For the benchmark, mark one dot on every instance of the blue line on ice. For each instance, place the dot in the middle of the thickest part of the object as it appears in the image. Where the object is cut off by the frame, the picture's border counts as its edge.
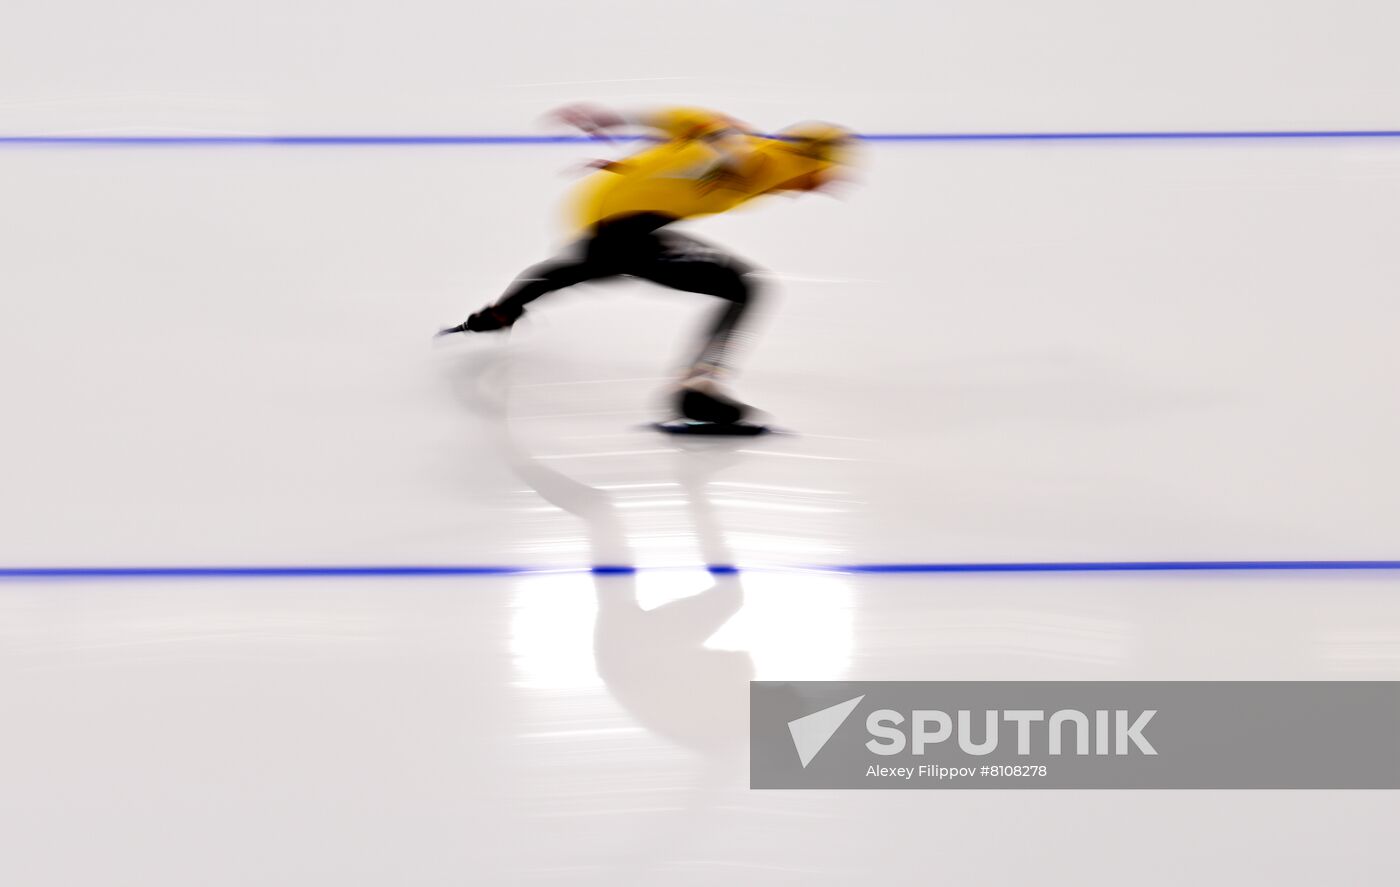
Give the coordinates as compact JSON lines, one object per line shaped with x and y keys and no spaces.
{"x":447,"y":139}
{"x":428,"y":570}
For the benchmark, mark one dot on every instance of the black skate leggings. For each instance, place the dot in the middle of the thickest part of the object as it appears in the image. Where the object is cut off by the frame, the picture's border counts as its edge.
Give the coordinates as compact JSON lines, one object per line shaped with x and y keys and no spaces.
{"x":636,"y":246}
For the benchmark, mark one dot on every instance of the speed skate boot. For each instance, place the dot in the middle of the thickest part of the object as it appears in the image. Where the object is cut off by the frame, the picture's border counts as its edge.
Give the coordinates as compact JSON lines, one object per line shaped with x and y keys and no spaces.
{"x":488,"y":319}
{"x":707,"y":410}
{"x":701,"y":399}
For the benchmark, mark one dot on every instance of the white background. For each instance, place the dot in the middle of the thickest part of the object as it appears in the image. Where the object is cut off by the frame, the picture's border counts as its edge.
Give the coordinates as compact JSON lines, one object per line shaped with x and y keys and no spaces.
{"x":1011,"y":352}
{"x":948,"y":65}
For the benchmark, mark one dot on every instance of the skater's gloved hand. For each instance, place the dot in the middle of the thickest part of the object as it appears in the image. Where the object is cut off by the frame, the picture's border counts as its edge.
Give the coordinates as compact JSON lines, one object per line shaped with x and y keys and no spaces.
{"x":589,"y":118}
{"x":593,"y":166}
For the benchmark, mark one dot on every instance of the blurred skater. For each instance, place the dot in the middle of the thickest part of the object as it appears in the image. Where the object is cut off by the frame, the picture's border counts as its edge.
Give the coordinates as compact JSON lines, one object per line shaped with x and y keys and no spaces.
{"x":705,"y":163}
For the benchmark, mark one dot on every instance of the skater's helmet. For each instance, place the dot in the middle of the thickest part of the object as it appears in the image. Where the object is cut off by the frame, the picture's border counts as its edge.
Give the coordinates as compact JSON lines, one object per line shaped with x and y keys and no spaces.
{"x":825,"y":142}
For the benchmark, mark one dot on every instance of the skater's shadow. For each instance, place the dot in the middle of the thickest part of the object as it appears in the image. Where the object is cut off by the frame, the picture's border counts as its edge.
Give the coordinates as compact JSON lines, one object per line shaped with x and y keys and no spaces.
{"x":653,"y":661}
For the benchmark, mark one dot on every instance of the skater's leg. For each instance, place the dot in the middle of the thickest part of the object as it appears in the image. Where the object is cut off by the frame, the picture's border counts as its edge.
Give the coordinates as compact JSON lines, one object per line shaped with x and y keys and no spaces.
{"x":725,"y":333}
{"x":702,"y":396}
{"x":689,"y":265}
{"x":612,"y":249}
{"x":539,"y":280}
{"x":548,"y":277}
{"x":693,"y":266}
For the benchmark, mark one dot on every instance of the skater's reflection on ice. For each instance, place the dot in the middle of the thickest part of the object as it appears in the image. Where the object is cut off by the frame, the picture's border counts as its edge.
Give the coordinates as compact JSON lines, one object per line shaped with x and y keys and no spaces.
{"x":675,"y":645}
{"x":655,"y":661}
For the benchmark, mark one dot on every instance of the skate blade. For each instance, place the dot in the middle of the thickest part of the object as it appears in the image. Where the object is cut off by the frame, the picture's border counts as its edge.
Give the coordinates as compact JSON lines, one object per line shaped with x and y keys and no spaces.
{"x":712,"y":429}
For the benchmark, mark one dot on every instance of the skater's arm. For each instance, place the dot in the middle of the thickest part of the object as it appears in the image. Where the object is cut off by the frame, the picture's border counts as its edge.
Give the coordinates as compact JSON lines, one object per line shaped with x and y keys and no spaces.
{"x":730,"y":144}
{"x":592,"y":119}
{"x":680,"y":124}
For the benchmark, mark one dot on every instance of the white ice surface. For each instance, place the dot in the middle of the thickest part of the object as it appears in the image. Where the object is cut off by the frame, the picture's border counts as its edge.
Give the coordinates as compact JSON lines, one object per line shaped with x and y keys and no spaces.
{"x":441,"y":732}
{"x":987,"y":352}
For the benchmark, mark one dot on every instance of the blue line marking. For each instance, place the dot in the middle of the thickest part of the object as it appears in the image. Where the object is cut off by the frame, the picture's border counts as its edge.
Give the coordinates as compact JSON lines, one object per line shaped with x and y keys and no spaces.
{"x":295,"y":140}
{"x":1202,"y":135}
{"x":412,"y":571}
{"x":254,"y":572}
{"x":462,"y":140}
{"x":1123,"y":567}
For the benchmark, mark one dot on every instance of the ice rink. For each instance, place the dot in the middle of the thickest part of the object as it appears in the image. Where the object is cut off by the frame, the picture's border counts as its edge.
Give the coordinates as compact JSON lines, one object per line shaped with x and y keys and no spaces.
{"x":1165,"y":350}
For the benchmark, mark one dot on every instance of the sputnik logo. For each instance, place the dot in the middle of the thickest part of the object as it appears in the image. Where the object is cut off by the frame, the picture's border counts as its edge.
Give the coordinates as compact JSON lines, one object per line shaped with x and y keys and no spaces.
{"x":811,"y":732}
